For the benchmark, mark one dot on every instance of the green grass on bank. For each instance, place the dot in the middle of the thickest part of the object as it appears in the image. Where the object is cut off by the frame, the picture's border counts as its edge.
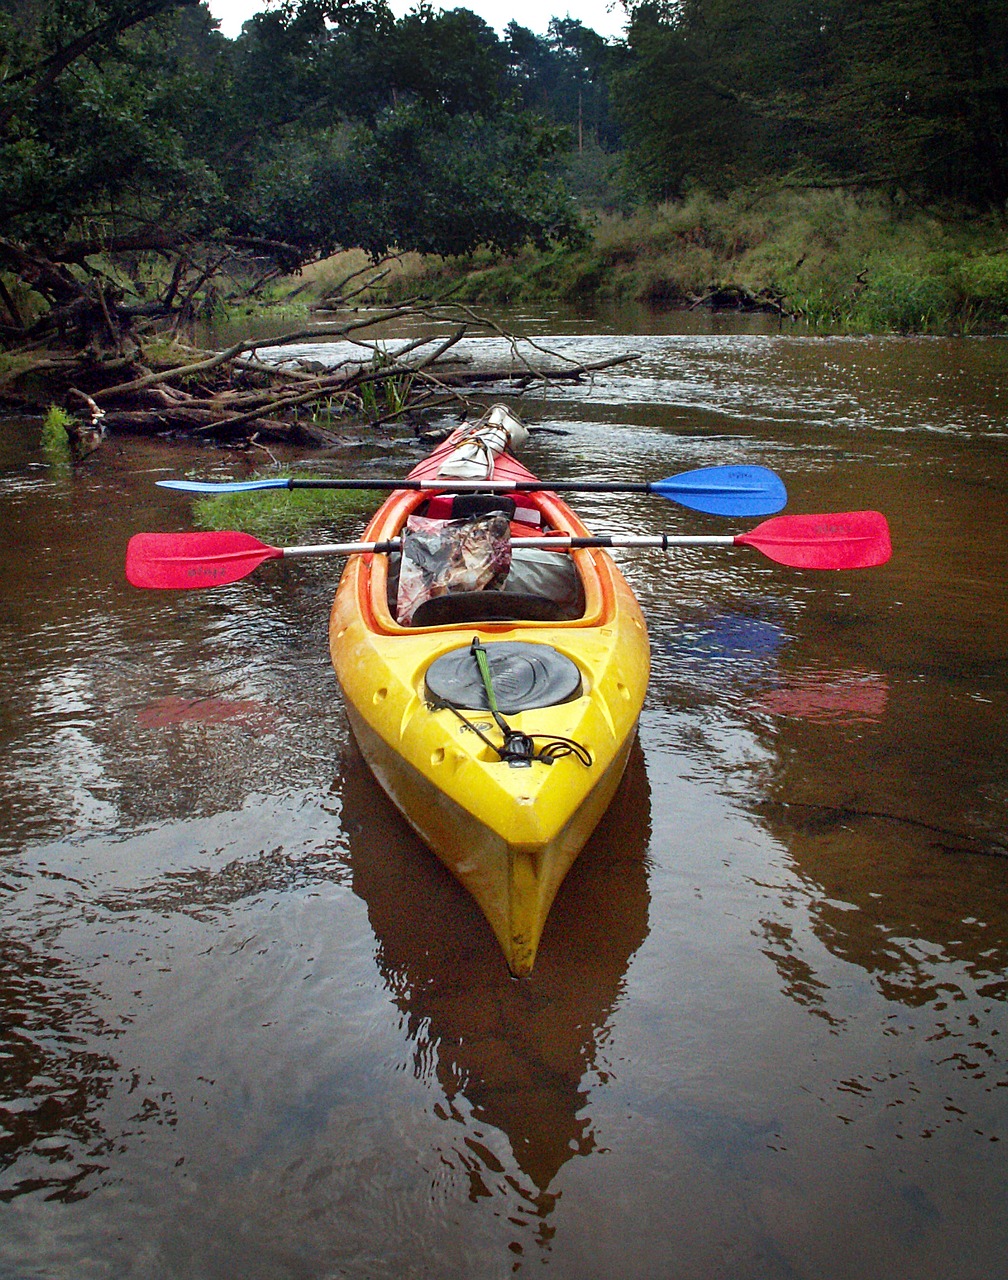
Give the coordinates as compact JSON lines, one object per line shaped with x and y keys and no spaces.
{"x":55,"y":440}
{"x":279,"y":515}
{"x":861,"y":263}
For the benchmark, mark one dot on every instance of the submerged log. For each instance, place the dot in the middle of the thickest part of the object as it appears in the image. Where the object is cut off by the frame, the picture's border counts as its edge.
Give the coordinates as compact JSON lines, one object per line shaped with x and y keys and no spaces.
{"x":736,"y":297}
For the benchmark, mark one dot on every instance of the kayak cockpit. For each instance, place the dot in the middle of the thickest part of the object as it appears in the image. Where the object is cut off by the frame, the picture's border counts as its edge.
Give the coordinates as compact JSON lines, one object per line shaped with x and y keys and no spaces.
{"x":525,"y":584}
{"x":541,"y":586}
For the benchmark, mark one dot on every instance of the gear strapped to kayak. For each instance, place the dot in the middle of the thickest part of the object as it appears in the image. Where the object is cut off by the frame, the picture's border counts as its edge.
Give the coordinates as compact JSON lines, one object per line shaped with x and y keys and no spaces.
{"x":508,"y":676}
{"x":470,"y":569}
{"x":447,"y":557}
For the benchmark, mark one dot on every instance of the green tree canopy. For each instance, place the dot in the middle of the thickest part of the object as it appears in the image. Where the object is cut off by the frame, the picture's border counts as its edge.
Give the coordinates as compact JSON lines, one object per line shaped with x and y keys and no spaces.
{"x":902,"y":94}
{"x":565,"y":74}
{"x":133,"y":126}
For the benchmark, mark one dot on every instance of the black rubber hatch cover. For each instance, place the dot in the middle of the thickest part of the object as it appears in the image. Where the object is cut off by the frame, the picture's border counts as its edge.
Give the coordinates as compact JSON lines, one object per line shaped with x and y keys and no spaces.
{"x":524,"y":676}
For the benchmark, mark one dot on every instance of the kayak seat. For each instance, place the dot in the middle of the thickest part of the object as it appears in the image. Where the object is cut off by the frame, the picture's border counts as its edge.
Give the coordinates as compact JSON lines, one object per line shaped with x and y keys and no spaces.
{"x":488,"y":606}
{"x":541,"y":586}
{"x":523,"y":515}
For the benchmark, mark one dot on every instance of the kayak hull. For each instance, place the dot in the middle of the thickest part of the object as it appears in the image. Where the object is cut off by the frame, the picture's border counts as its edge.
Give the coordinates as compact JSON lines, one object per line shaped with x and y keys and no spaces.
{"x":513,"y":883}
{"x":508,"y":833}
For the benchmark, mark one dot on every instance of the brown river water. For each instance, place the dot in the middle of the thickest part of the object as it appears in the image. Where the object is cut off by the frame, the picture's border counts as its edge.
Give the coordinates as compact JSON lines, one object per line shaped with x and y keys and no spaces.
{"x":249,"y":1026}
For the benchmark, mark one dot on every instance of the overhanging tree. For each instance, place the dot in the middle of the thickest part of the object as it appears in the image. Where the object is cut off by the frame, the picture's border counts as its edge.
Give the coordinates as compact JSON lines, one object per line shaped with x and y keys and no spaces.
{"x":140,"y":151}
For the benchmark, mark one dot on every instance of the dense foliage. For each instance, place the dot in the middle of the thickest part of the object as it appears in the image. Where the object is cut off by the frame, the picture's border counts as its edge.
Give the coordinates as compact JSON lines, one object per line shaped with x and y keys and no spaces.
{"x":132,"y":127}
{"x":142,"y":154}
{"x":907,"y":95}
{"x":565,"y":76}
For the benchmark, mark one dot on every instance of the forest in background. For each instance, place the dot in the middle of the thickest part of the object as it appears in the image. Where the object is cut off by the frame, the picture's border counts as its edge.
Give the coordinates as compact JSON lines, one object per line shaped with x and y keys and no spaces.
{"x":132,"y":128}
{"x":843,"y":162}
{"x":904,"y":96}
{"x":153,"y":171}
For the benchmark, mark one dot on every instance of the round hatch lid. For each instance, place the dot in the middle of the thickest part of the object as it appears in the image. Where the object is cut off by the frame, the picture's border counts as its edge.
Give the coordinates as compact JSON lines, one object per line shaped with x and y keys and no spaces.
{"x":524,"y":676}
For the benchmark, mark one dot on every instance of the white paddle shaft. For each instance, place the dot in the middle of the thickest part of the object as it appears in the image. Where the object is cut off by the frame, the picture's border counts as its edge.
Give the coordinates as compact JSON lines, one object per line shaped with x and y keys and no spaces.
{"x":659,"y":541}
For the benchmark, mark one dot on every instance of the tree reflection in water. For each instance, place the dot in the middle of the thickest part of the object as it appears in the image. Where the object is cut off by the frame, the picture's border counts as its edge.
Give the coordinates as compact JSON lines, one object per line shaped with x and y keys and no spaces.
{"x":51,"y":1084}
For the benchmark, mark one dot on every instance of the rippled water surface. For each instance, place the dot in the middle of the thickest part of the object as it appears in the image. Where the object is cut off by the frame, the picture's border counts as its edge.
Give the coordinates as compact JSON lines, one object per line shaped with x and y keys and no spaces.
{"x":248,"y":1026}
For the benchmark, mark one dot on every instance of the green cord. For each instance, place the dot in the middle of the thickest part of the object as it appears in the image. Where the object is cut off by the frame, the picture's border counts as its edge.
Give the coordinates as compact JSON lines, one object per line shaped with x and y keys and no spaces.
{"x":480,"y":654}
{"x":519,"y":748}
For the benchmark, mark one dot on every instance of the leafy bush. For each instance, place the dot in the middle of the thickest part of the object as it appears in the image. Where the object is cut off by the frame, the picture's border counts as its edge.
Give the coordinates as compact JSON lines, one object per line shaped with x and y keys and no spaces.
{"x":55,"y":440}
{"x":983,"y":281}
{"x":899,"y":299}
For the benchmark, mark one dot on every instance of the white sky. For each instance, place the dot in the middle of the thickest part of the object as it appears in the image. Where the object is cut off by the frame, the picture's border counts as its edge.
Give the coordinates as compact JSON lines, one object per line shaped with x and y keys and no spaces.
{"x":607,"y":17}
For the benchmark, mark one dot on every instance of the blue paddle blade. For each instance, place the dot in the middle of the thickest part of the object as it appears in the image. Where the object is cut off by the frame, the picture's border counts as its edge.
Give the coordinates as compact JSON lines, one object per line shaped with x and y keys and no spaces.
{"x":224,"y":486}
{"x":725,"y":491}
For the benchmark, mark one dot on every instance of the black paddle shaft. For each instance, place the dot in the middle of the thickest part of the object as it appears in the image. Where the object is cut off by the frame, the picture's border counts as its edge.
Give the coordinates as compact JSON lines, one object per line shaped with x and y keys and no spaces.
{"x":481,"y":486}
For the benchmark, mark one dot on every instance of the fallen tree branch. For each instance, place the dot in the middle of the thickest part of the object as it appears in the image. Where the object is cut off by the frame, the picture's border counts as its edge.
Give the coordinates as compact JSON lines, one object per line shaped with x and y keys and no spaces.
{"x":573,"y":374}
{"x":239,"y":348}
{"x":240,"y":391}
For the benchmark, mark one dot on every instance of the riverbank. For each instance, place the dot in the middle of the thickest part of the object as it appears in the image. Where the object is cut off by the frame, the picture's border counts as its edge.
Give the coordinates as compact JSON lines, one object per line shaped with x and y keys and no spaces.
{"x":836,"y":261}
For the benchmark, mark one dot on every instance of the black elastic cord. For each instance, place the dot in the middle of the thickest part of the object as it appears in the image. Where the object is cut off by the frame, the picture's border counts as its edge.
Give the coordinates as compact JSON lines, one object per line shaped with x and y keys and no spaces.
{"x":517,"y":748}
{"x":554,"y":747}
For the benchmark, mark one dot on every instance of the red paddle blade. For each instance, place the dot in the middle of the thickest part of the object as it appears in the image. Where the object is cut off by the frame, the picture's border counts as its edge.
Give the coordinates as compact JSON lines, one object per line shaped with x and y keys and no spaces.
{"x":188,"y":560}
{"x":840,"y":540}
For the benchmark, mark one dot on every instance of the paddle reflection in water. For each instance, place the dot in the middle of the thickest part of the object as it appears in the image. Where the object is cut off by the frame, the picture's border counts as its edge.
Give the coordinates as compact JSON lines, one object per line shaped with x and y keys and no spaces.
{"x":884,"y":915}
{"x":750,"y":652}
{"x":523,"y":1054}
{"x":252,"y":714}
{"x":823,"y":696}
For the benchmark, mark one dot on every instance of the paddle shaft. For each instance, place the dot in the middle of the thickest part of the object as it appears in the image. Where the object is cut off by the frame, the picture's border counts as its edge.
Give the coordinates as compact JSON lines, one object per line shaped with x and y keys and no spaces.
{"x":444,"y":484}
{"x":844,"y":540}
{"x":558,"y":542}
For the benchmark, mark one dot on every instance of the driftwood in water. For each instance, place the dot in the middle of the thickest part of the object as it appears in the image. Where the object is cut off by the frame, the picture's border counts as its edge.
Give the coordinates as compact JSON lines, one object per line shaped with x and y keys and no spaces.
{"x":113,"y":381}
{"x":235,"y":393}
{"x":735,"y":297}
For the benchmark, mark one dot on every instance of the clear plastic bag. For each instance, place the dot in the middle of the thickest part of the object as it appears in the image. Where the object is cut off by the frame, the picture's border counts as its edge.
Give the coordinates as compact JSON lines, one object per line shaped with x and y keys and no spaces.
{"x":443,"y":557}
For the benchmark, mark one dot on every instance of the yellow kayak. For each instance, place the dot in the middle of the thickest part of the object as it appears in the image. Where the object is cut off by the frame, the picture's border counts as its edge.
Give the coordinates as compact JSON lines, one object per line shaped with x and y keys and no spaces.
{"x":502,"y":754}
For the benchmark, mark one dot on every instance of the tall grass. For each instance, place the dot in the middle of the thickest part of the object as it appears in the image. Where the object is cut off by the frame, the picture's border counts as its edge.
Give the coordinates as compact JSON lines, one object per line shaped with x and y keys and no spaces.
{"x":836,"y":259}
